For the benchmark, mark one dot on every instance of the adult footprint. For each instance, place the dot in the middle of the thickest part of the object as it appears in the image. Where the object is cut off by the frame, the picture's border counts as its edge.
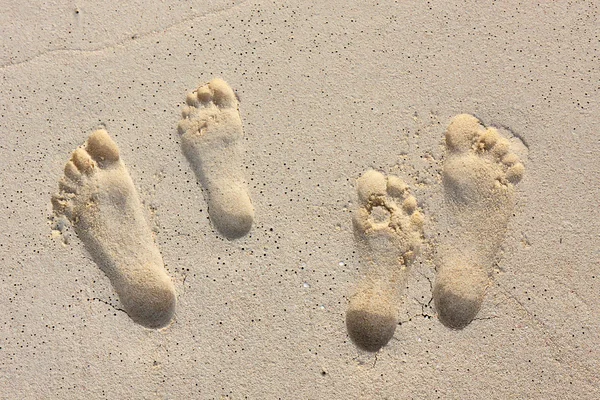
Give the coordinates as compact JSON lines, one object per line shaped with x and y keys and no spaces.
{"x":388,"y":231}
{"x":479,"y":175}
{"x":98,"y":196}
{"x":211,"y":140}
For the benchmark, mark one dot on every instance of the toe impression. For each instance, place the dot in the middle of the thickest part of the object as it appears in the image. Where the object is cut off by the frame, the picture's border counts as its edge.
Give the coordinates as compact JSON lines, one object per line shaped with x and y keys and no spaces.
{"x":102,"y":148}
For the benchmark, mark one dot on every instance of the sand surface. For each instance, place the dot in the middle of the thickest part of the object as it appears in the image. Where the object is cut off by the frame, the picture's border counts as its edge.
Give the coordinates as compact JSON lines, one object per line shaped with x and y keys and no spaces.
{"x":328,"y":91}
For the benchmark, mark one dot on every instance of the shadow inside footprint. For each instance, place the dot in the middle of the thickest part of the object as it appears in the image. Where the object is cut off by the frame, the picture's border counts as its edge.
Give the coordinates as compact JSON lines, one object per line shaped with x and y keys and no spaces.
{"x":455,"y":311}
{"x":458,"y":292}
{"x":370,"y":331}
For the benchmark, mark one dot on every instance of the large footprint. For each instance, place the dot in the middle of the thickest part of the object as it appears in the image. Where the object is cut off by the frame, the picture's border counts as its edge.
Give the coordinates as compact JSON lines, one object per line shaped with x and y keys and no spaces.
{"x":479,"y":175}
{"x":388,"y":231}
{"x":211,"y":140}
{"x":98,"y":196}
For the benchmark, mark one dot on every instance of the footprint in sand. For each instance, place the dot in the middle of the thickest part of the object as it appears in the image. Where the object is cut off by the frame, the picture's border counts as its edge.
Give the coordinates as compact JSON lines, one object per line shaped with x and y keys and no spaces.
{"x":388,"y":230}
{"x":212,"y":141}
{"x":479,"y":175}
{"x":98,"y":196}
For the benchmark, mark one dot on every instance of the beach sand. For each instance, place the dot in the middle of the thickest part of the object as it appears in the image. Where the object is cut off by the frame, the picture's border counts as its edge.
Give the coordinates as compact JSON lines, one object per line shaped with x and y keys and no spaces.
{"x":326,"y":93}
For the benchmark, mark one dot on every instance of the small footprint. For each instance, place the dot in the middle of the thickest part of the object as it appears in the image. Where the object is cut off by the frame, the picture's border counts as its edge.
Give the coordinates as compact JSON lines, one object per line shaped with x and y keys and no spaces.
{"x":212,"y":141}
{"x":388,"y":230}
{"x":479,"y":175}
{"x":98,"y":197}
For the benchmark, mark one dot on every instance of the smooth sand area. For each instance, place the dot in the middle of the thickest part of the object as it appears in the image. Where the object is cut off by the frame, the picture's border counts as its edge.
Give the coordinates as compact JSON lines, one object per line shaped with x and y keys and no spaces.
{"x":322,"y":93}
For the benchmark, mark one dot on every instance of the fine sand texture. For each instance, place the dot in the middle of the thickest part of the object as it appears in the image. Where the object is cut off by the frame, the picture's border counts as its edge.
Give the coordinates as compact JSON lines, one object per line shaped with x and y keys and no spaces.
{"x":242,"y":244}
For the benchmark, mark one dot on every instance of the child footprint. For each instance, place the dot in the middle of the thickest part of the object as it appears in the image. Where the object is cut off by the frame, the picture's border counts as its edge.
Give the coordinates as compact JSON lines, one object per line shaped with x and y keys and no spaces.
{"x":211,"y":139}
{"x":98,"y":196}
{"x":388,"y":231}
{"x":478,"y":175}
